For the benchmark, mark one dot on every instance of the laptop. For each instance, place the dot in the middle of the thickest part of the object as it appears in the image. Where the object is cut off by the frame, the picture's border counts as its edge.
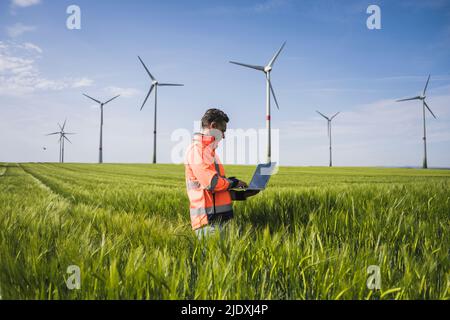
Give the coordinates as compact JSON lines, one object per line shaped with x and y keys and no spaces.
{"x":261,"y":177}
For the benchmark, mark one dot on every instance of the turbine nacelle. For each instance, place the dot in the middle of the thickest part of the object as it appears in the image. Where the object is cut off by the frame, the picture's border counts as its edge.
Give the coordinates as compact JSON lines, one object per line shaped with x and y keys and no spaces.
{"x":422,"y":98}
{"x":100,"y":102}
{"x":267,"y":69}
{"x":155,"y":83}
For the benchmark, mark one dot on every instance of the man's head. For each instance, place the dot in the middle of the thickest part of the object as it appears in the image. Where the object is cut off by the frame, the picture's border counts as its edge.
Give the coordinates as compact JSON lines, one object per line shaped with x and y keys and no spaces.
{"x":213,"y":120}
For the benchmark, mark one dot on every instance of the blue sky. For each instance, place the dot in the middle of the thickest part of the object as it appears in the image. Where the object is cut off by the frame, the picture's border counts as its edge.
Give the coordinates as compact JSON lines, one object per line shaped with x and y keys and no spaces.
{"x":331,"y":62}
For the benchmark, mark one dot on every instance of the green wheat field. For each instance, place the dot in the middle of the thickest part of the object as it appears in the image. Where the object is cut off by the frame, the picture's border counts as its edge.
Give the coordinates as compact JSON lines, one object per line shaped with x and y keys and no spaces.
{"x":311,"y":235}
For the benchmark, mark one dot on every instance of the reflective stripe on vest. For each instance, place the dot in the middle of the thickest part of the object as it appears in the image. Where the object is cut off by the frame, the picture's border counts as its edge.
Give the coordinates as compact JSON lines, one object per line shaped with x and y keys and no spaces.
{"x":192,"y":185}
{"x":199,"y":221}
{"x":216,"y":165}
{"x":213,"y":183}
{"x":210,"y":210}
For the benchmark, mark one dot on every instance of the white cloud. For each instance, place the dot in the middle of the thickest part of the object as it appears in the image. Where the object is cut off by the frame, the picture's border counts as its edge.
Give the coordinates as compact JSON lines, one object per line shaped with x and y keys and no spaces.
{"x":31,"y":46}
{"x":124,"y":92}
{"x":24,"y":3}
{"x":19,"y":29}
{"x":19,"y":73}
{"x":15,"y":65}
{"x":83,"y":82}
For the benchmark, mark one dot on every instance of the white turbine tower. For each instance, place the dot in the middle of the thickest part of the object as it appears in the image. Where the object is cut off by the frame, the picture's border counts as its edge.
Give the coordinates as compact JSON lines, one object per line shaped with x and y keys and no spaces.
{"x":62,"y":138}
{"x":424,"y":105}
{"x":269,"y":89}
{"x":329,"y":132}
{"x":100,"y":149}
{"x":155,"y":85}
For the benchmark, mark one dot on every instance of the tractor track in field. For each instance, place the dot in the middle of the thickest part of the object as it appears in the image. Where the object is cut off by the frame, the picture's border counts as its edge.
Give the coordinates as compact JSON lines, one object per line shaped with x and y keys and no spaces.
{"x":107,"y":175}
{"x":62,"y":195}
{"x":91,"y":172}
{"x":70,"y":198}
{"x":115,"y":176}
{"x":47,"y":187}
{"x":3,"y":174}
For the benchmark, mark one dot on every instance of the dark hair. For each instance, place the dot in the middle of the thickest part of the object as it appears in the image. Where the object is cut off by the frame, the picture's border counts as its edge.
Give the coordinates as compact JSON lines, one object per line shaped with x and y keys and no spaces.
{"x":214,"y":115}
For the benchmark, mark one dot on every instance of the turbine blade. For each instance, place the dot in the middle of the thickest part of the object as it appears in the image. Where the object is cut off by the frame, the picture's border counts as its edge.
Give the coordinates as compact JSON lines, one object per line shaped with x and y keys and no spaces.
{"x":67,"y":139}
{"x":329,"y":129}
{"x":426,"y":86}
{"x":273,"y":94}
{"x":334,"y":116}
{"x":146,"y":69}
{"x":323,"y":115}
{"x":260,"y":68}
{"x":170,"y":85}
{"x":51,"y":134}
{"x":92,"y":98}
{"x":64,"y":125}
{"x":408,"y":99}
{"x":69,"y":132}
{"x":426,"y":105}
{"x":111,"y":99}
{"x":276,"y":55}
{"x":148,"y":94}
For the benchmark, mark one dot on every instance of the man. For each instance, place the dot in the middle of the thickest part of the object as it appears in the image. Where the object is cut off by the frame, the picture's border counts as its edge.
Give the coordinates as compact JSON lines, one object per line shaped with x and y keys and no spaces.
{"x":209,"y":190}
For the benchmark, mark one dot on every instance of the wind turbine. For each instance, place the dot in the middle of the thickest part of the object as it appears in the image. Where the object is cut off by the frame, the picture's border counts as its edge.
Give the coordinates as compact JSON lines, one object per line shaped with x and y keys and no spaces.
{"x":100,"y":149}
{"x":155,"y":85}
{"x":424,"y":105}
{"x":329,"y":131}
{"x":269,"y":89}
{"x":62,"y":138}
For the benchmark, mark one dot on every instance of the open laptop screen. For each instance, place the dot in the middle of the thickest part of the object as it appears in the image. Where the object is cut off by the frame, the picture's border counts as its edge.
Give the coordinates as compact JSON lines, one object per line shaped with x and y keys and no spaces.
{"x":261,"y":176}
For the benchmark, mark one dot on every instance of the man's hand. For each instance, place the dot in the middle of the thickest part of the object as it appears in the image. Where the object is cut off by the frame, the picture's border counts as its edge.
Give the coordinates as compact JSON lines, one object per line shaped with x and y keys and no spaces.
{"x":241,"y":184}
{"x":238,"y":184}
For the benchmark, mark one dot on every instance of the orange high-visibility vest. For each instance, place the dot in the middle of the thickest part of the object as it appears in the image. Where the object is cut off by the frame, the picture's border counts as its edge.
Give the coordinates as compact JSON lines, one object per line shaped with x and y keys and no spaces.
{"x":207,"y":186}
